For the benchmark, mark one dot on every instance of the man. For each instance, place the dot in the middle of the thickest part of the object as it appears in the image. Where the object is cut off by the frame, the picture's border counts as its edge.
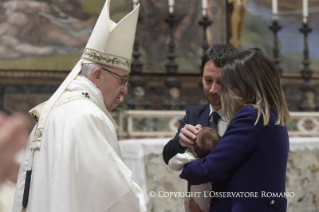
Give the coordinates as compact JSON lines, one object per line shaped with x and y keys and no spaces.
{"x":201,"y":116}
{"x":210,"y":114}
{"x":73,"y":160}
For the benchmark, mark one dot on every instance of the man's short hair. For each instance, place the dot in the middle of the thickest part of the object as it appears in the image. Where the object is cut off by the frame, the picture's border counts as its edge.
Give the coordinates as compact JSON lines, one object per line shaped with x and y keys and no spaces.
{"x":219,"y":54}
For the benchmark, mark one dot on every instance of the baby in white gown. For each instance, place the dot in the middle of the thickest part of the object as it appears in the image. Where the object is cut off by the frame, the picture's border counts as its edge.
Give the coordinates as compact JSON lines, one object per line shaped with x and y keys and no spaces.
{"x":206,"y":141}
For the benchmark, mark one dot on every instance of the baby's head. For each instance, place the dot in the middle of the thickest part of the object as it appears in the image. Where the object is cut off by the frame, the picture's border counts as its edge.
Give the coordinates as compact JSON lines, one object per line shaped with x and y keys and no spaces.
{"x":206,"y":141}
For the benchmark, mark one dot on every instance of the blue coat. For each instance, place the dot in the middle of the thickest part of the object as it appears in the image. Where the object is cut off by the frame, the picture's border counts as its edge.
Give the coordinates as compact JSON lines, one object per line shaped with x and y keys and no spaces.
{"x":249,"y":158}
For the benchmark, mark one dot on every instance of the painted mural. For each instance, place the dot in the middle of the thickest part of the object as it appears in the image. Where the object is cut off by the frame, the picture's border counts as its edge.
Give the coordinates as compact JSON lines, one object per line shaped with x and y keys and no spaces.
{"x":291,"y":41}
{"x":188,"y":34}
{"x":51,"y":34}
{"x":42,"y":34}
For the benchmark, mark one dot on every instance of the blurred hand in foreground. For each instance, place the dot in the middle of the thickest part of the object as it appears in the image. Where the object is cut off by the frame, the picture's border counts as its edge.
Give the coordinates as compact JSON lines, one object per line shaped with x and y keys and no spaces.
{"x":14,"y":133}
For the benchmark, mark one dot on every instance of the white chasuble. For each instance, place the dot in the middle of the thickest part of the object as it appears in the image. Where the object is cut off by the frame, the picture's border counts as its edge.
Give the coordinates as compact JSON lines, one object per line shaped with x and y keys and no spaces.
{"x":79,"y":166}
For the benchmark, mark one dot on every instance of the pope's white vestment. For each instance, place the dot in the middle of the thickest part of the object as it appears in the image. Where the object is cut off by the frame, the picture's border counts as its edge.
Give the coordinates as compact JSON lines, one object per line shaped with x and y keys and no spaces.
{"x":79,"y":167}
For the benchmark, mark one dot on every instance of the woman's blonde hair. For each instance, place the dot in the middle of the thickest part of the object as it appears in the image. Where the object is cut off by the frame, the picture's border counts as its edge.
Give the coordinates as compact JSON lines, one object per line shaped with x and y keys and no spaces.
{"x":251,"y":78}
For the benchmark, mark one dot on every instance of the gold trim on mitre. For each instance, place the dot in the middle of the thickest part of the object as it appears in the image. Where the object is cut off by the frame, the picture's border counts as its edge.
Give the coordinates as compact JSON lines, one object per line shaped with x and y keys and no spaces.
{"x":107,"y":59}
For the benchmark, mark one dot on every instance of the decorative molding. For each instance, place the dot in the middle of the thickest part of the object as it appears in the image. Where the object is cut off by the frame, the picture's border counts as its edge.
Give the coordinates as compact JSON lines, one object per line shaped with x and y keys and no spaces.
{"x":32,"y":74}
{"x":304,"y":124}
{"x":62,"y":73}
{"x":156,"y":123}
{"x":164,"y":123}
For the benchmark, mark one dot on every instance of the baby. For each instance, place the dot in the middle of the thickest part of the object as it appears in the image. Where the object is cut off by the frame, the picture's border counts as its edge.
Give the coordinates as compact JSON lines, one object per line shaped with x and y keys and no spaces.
{"x":206,"y":141}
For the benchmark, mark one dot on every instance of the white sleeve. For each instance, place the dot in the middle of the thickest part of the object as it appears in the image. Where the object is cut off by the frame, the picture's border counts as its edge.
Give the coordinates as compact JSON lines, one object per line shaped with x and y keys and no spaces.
{"x":104,"y":181}
{"x":178,"y":161}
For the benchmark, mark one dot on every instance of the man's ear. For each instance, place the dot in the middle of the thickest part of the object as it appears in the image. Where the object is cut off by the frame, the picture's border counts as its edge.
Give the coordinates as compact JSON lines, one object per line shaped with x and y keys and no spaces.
{"x":96,"y":77}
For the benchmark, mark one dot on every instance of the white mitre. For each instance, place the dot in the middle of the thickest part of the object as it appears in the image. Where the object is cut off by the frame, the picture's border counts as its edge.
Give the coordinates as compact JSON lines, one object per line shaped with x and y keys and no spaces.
{"x":109,"y":44}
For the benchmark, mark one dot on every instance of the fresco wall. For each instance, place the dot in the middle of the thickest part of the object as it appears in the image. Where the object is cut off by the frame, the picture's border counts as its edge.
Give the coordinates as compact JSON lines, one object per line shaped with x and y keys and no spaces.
{"x":291,"y":43}
{"x":42,"y":35}
{"x":51,"y":34}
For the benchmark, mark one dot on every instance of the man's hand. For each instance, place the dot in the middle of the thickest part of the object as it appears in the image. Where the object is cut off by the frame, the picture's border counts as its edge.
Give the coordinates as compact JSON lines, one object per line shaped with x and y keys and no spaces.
{"x":193,"y":206}
{"x":188,"y":135}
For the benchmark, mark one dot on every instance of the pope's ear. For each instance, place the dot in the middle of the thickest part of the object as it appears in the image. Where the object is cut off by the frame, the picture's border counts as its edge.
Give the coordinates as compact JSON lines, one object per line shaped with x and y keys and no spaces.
{"x":96,"y":77}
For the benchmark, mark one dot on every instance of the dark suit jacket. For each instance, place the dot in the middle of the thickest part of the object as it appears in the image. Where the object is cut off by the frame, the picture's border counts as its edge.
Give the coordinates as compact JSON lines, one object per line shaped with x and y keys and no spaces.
{"x":194,"y":115}
{"x":248,"y":158}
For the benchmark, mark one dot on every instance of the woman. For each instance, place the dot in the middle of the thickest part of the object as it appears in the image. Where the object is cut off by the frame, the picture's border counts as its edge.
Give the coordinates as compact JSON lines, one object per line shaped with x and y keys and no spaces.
{"x":248,"y":165}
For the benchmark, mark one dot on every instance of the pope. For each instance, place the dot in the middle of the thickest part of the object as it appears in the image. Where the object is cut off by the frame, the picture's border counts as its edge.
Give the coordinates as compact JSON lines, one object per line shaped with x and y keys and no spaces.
{"x":73,"y":161}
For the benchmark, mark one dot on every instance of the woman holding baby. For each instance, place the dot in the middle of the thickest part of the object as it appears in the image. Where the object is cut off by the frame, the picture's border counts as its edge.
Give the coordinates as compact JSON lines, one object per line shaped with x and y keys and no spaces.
{"x":248,"y":165}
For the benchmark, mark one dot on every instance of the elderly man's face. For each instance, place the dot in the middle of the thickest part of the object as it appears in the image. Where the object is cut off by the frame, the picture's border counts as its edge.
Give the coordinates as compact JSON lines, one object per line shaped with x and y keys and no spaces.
{"x":112,"y":88}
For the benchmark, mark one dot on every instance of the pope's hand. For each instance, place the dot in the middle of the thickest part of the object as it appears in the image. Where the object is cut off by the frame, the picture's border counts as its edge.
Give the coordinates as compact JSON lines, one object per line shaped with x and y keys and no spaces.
{"x":188,"y":135}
